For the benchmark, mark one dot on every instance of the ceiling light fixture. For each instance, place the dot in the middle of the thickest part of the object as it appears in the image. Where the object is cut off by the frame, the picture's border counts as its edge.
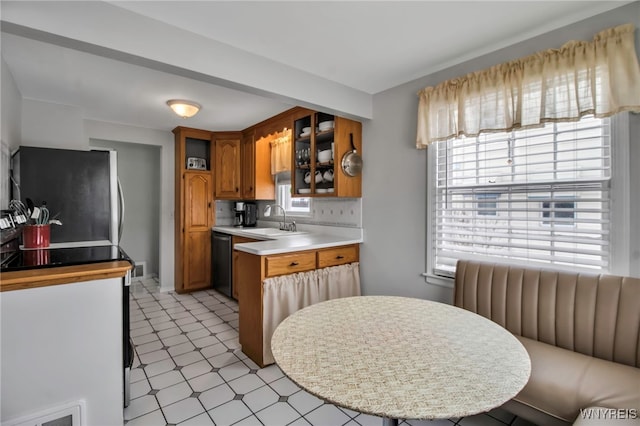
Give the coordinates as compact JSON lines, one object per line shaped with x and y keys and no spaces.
{"x":185,"y":109}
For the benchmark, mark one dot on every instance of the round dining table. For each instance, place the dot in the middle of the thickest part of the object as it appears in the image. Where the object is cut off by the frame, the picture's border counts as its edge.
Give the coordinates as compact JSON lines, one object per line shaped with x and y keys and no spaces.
{"x":401,"y":358}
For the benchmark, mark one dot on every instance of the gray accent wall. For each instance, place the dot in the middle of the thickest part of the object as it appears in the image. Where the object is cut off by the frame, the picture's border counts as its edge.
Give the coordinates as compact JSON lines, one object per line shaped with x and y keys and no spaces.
{"x":634,"y":147}
{"x":394,"y":202}
{"x":139,"y":173}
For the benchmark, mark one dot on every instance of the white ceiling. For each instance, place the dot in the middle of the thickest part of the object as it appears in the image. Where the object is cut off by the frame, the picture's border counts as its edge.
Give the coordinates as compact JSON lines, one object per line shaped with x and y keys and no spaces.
{"x":364,"y":46}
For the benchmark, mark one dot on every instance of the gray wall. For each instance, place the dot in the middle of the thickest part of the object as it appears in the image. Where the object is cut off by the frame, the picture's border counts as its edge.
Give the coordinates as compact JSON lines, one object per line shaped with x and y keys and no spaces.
{"x":395,"y":176}
{"x":634,"y":258}
{"x":139,"y":173}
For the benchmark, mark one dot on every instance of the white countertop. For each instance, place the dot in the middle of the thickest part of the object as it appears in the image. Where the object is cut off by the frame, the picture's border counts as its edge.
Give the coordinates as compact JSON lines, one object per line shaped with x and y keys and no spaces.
{"x":310,"y":237}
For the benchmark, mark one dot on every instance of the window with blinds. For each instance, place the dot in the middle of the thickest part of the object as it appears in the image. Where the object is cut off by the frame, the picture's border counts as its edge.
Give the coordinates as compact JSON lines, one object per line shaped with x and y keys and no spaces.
{"x":538,"y":195}
{"x":294,"y":206}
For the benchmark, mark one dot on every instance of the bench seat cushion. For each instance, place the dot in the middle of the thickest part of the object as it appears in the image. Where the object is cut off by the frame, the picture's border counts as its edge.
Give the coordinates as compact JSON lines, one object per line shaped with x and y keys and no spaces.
{"x":562,"y":382}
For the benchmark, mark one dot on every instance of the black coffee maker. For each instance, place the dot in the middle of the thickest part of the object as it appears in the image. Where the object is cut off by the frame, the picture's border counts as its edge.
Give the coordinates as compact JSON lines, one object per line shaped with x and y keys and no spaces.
{"x":250,"y":214}
{"x":246,"y":214}
{"x":240,"y":214}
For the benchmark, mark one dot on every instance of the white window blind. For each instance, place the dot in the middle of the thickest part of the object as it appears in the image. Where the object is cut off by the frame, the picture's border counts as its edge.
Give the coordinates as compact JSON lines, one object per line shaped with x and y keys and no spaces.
{"x":537,"y":195}
{"x":294,"y":206}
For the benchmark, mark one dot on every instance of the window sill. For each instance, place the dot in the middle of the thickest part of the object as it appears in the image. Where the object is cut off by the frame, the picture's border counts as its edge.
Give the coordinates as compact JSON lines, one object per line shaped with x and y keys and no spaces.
{"x":439,"y":281}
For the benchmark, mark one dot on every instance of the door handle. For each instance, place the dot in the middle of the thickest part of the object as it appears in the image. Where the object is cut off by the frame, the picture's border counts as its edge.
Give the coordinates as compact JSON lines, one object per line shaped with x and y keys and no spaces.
{"x":339,"y":257}
{"x":293,"y":264}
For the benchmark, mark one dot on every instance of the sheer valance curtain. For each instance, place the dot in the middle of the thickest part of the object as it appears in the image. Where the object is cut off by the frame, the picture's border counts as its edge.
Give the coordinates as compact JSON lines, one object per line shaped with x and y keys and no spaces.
{"x":281,"y":152}
{"x":601,"y":77}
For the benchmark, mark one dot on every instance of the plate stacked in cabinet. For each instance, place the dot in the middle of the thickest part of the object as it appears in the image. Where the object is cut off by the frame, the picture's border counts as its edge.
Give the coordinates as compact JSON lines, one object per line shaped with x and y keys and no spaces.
{"x":321,"y":140}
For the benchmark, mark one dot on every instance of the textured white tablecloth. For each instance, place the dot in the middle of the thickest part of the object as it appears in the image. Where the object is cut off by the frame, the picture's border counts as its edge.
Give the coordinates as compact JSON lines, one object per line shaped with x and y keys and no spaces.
{"x":400,"y":357}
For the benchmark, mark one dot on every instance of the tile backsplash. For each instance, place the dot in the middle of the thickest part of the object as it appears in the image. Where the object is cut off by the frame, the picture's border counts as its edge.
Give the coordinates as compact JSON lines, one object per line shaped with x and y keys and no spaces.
{"x":224,"y":212}
{"x":346,"y":212}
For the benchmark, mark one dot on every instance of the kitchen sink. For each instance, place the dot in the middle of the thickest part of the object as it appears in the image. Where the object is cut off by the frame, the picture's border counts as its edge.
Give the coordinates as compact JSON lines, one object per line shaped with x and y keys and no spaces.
{"x":271,"y":232}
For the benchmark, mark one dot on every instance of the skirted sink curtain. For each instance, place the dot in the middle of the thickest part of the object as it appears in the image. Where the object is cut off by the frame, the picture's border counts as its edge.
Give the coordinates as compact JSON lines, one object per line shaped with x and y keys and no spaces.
{"x":599,"y":78}
{"x":286,"y":294}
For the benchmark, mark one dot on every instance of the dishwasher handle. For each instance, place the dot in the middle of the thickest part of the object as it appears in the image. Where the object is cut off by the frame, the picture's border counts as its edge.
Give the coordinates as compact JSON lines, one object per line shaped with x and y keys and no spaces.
{"x":222,"y":237}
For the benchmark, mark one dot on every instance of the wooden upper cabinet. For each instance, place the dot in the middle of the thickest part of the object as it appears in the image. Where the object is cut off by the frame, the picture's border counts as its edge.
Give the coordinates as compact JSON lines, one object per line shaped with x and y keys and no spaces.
{"x":257,"y":181}
{"x":312,"y":138}
{"x":248,"y":165}
{"x":228,"y":165}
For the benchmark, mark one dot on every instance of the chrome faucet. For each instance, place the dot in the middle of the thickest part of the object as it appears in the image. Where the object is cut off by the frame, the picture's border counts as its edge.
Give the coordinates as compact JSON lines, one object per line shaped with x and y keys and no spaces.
{"x":284,"y":227}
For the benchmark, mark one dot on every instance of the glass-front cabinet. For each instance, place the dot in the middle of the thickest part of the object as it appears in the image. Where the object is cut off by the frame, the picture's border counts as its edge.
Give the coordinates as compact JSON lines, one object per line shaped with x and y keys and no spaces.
{"x":321,"y":140}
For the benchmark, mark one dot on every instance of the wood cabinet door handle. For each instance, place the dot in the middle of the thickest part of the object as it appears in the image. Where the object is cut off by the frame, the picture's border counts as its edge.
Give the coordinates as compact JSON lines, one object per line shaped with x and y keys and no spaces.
{"x":293,"y":264}
{"x":237,"y":189}
{"x":339,"y":257}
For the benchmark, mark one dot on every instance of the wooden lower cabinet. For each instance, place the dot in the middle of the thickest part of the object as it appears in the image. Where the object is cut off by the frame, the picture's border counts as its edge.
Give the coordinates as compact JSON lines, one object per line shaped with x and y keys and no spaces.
{"x":337,"y":256}
{"x":234,"y":266}
{"x":283,"y":264}
{"x":251,"y":270}
{"x":197,"y":266}
{"x":194,"y":222}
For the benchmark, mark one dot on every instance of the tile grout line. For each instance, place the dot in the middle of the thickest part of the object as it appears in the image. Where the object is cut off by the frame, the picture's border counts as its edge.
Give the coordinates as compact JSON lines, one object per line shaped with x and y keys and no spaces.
{"x":253,"y":413}
{"x":225,"y":381}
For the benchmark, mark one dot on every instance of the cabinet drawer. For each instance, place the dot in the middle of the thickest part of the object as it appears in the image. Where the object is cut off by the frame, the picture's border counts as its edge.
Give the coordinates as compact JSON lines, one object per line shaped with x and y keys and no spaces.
{"x":337,"y":256}
{"x":290,"y":263}
{"x":240,"y":240}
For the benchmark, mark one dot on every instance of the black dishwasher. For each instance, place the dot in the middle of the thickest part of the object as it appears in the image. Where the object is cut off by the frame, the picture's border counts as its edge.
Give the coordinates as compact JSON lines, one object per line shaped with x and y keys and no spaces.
{"x":221,"y":258}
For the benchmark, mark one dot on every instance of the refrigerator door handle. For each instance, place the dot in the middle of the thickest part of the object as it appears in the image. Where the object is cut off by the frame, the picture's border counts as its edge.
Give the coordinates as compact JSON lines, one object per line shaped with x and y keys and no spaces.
{"x":121,"y":213}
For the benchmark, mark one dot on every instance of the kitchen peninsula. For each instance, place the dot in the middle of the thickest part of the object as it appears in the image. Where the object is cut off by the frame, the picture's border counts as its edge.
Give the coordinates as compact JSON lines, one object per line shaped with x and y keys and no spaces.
{"x":62,"y":320}
{"x":267,"y":240}
{"x":279,"y":272}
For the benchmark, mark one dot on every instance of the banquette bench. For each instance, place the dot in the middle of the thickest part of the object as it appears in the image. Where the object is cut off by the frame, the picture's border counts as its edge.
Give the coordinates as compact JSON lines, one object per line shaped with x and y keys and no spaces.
{"x":582,"y":333}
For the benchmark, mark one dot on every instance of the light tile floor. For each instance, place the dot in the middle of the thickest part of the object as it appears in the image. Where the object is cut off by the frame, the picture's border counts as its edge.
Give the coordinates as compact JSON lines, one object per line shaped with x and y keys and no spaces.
{"x":189,"y":370}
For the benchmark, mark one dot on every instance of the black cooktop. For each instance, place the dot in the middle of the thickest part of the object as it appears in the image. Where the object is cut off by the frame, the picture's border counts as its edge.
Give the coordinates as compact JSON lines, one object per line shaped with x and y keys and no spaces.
{"x":56,"y":257}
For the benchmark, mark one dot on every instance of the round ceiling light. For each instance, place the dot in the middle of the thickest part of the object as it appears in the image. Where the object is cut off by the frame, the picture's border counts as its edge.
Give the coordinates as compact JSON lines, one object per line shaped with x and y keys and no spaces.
{"x":184,"y":109}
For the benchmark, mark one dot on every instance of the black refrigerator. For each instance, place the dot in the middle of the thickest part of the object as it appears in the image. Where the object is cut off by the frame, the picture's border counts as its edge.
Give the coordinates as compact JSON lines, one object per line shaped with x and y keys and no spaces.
{"x":80,"y":188}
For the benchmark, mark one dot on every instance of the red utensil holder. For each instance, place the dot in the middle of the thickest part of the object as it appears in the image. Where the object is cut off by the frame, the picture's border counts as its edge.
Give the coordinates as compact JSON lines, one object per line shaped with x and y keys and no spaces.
{"x":36,"y":236}
{"x":37,"y":257}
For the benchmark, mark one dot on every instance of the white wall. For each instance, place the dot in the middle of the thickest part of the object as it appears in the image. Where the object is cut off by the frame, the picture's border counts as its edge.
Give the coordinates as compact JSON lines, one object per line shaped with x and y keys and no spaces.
{"x":121,"y":133}
{"x":62,"y":344}
{"x":10,"y":108}
{"x":50,"y":125}
{"x":150,"y":42}
{"x":10,"y":126}
{"x":394,"y":184}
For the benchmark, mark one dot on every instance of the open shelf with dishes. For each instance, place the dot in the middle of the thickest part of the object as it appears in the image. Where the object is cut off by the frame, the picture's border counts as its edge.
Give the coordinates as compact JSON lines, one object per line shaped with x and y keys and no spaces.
{"x":320,"y":139}
{"x":302,"y":156}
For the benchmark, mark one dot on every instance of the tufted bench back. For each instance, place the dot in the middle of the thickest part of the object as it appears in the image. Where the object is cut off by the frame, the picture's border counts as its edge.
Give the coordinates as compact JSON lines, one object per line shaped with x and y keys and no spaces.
{"x":596,"y":315}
